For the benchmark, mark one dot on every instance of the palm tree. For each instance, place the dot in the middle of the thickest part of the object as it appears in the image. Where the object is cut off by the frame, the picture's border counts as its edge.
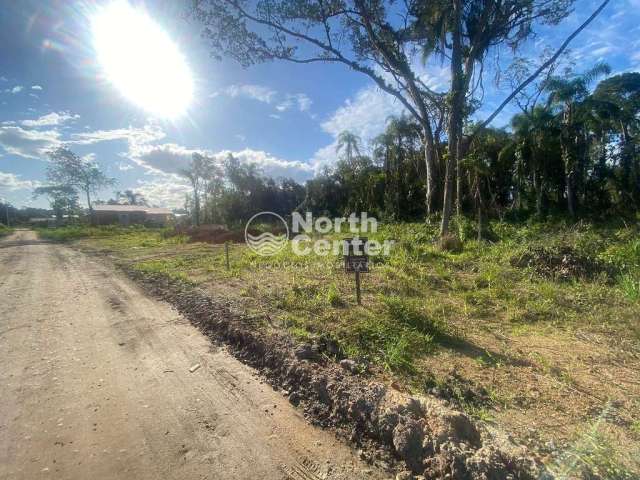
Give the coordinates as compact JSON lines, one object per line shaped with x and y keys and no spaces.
{"x":349,"y":143}
{"x":567,"y":94}
{"x":532,"y":135}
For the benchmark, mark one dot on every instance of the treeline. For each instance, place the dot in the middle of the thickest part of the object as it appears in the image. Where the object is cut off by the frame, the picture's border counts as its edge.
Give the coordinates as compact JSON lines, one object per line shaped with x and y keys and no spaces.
{"x":571,"y":150}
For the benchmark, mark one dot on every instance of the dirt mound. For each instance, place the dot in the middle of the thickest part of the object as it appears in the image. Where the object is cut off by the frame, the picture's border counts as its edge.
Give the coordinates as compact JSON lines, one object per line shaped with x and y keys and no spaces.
{"x":428,"y":437}
{"x":563,"y":263}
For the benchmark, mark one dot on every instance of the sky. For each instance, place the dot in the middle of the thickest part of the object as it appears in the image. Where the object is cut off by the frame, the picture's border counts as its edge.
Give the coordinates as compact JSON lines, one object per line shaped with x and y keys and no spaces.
{"x":55,"y":89}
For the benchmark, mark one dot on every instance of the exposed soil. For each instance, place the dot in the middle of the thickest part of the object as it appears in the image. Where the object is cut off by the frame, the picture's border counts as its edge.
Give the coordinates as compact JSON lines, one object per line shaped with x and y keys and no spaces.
{"x":100,"y":381}
{"x":430,"y":438}
{"x":215,"y":234}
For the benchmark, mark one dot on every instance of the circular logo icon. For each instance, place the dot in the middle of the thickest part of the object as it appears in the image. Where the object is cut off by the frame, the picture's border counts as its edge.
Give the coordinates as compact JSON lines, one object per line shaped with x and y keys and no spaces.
{"x":266,"y":243}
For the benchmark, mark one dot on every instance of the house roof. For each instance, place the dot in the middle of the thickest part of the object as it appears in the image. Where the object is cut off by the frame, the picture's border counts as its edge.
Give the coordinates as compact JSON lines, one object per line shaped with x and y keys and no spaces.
{"x":132,"y":208}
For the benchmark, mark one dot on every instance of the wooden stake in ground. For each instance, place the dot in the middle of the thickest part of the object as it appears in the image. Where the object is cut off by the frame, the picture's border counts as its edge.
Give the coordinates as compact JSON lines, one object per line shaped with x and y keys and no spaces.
{"x":355,"y":260}
{"x":226,"y":254}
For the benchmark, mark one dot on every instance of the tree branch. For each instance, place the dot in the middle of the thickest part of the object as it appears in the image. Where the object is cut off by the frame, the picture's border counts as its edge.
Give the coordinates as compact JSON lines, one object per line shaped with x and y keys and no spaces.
{"x":542,"y":67}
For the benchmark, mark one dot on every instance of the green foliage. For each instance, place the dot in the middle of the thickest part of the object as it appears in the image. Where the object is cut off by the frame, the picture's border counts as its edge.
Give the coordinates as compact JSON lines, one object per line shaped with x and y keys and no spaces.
{"x":630,"y":285}
{"x":407,"y":313}
{"x":594,"y":455}
{"x":419,"y":299}
{"x":5,"y":230}
{"x":135,"y":235}
{"x":333,"y":296}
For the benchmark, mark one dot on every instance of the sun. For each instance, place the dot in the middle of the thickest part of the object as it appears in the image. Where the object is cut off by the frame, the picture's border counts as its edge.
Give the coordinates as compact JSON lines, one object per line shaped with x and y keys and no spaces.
{"x":141,"y":61}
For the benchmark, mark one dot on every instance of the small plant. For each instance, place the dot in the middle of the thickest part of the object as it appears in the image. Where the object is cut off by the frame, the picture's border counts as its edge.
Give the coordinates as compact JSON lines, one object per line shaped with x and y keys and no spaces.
{"x":333,"y":296}
{"x":593,"y":456}
{"x":630,"y":286}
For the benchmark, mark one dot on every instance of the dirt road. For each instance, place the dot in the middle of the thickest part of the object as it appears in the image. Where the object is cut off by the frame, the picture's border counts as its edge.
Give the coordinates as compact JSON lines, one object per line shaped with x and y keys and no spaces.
{"x":98,"y":381}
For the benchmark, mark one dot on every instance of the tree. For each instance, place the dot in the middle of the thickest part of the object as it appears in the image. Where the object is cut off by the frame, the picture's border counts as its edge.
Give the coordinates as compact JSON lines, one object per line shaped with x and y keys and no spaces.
{"x":196,"y":173}
{"x":63,"y":199}
{"x":534,"y":133}
{"x":129,"y":197}
{"x":465,"y":32}
{"x":616,"y":103}
{"x":568,"y":95}
{"x":380,"y":39}
{"x":350,"y":144}
{"x":66,"y":169}
{"x":361,"y":35}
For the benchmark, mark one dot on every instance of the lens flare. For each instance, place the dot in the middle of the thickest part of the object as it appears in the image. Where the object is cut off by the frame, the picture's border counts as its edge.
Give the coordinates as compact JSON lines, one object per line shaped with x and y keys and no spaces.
{"x":141,"y":61}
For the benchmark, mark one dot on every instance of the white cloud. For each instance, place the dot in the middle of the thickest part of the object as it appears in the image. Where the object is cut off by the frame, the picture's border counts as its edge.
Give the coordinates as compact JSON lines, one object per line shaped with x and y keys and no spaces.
{"x":36,"y":87}
{"x":366,"y":115}
{"x":271,"y":166}
{"x":16,"y":89}
{"x":123,"y":167}
{"x":12,"y":182}
{"x":3,"y":79}
{"x":28,"y":143}
{"x":165,"y":191}
{"x":137,"y":136}
{"x":170,"y":158}
{"x":265,"y":94}
{"x":255,"y":92}
{"x":302,"y":101}
{"x":167,"y":158}
{"x":50,"y":119}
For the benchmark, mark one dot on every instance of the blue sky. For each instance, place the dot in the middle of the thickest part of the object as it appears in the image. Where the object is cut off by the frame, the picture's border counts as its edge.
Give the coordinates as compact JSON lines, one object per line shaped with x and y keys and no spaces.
{"x":281,"y":116}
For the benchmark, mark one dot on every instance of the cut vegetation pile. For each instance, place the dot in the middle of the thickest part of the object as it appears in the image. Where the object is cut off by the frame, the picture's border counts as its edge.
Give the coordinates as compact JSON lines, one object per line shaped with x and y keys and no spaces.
{"x":535,"y":334}
{"x":563,"y":263}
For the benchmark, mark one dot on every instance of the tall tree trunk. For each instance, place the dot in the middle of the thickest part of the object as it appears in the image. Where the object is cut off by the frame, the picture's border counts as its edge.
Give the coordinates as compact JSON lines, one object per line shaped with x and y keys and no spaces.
{"x":458,"y":182}
{"x":396,"y":174}
{"x":455,"y":115}
{"x":568,"y":179}
{"x":428,"y":160}
{"x":196,"y":207}
{"x":537,"y":186}
{"x":92,"y":219}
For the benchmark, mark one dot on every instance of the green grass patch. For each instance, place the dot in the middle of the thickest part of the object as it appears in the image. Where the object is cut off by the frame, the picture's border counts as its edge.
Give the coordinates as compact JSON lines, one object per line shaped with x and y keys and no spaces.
{"x":4,"y":230}
{"x":420,"y":298}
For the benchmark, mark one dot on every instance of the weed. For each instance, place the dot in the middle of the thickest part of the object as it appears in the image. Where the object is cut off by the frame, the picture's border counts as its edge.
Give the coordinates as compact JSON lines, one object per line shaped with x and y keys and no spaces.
{"x":630,"y":286}
{"x":333,"y":296}
{"x":594,"y":455}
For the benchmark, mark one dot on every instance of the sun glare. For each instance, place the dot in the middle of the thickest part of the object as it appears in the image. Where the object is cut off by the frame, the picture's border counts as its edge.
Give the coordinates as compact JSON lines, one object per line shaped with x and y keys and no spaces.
{"x":140,"y":59}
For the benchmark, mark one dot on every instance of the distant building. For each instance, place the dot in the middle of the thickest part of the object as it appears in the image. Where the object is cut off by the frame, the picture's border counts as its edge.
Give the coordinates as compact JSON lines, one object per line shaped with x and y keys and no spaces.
{"x":131,"y":214}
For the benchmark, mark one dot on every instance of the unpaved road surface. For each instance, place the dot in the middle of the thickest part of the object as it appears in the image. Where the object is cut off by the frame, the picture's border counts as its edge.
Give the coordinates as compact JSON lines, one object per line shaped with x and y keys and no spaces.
{"x":95,"y":383}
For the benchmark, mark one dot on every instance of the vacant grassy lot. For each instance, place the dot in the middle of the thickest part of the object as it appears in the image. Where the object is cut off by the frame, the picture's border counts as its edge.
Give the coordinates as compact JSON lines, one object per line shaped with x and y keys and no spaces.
{"x":537,"y":332}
